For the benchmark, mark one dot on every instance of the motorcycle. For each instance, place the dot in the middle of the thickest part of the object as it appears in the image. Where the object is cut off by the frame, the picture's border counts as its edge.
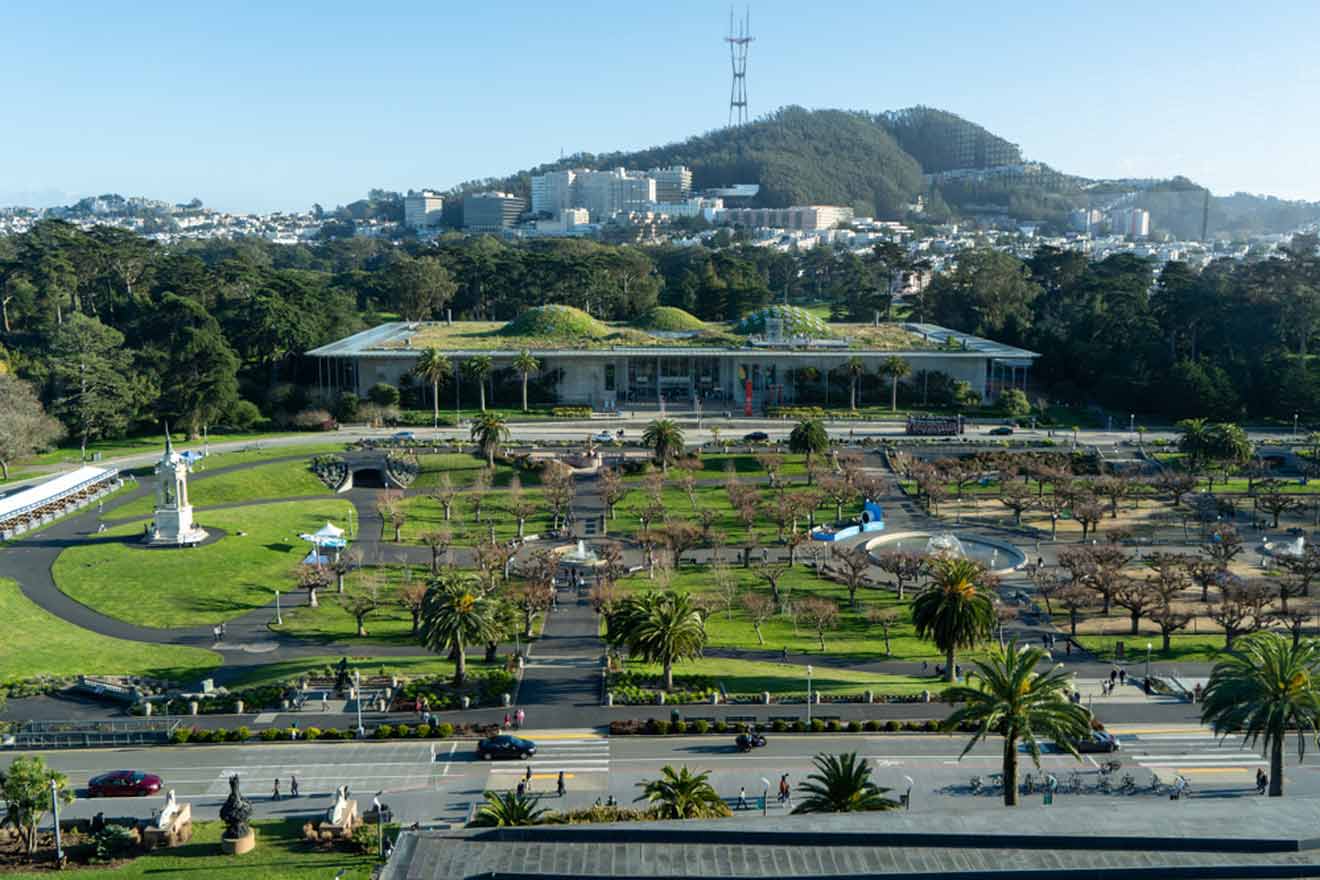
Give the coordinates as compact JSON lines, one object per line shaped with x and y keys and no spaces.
{"x":748,"y":741}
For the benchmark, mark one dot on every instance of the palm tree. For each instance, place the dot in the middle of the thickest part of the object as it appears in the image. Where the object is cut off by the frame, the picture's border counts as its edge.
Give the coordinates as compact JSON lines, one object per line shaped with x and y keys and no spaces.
{"x":681,"y":794}
{"x":1005,"y":696}
{"x":665,"y":439}
{"x":953,"y":611}
{"x":1262,"y":690}
{"x":525,"y":364}
{"x":456,"y":614}
{"x":488,"y":432}
{"x":842,"y":784}
{"x":1195,"y":441}
{"x":477,"y":368}
{"x":434,"y":367}
{"x":508,"y":809}
{"x":894,"y":368}
{"x":659,"y":628}
{"x":808,"y":438}
{"x":855,"y":367}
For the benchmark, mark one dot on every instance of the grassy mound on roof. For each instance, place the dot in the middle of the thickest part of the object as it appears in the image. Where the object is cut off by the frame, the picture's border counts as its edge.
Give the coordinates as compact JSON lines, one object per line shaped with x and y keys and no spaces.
{"x":555,"y":321}
{"x":796,"y":322}
{"x":670,"y":319}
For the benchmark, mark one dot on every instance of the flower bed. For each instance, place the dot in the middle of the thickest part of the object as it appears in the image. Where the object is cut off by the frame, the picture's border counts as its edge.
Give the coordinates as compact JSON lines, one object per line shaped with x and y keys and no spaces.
{"x":483,"y":688}
{"x":661,"y":727}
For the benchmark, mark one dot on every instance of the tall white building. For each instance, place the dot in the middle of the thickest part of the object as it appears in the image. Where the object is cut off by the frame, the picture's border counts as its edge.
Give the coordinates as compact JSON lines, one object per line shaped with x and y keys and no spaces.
{"x":1132,"y":222}
{"x":806,"y":218}
{"x":606,"y":193}
{"x":552,"y":192}
{"x":672,"y":185}
{"x":422,"y":210}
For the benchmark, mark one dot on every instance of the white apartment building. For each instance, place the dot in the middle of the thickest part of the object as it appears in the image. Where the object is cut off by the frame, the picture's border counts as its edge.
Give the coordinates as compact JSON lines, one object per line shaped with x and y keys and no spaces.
{"x":606,"y":193}
{"x":553,"y":192}
{"x":1132,"y":222}
{"x":672,"y":185}
{"x":422,"y":210}
{"x":806,"y":218}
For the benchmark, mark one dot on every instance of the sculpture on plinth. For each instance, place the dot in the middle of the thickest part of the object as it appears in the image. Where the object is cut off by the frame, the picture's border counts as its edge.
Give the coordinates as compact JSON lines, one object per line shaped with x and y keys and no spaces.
{"x":235,"y":813}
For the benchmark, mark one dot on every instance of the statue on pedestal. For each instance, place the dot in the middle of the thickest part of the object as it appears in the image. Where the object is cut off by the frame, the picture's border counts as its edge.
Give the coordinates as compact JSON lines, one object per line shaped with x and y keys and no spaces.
{"x":236,"y":812}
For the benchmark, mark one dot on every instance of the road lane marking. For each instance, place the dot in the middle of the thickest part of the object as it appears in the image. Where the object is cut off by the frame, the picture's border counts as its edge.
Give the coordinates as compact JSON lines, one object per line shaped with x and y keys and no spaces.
{"x":1232,"y":756}
{"x":451,"y":759}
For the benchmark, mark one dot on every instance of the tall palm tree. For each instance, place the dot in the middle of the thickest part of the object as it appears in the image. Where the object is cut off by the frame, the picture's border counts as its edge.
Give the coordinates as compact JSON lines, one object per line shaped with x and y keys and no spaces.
{"x":1261,"y":691}
{"x":954,"y":610}
{"x":525,"y":364}
{"x":855,"y":367}
{"x":808,"y":438}
{"x":488,"y":432}
{"x":659,"y":628}
{"x":1195,"y":441}
{"x":842,"y":784}
{"x":1006,"y":696}
{"x":456,"y":614}
{"x":434,"y":367}
{"x":477,"y":369}
{"x":894,"y":368}
{"x":665,"y":439}
{"x":508,"y":809}
{"x":682,"y":794}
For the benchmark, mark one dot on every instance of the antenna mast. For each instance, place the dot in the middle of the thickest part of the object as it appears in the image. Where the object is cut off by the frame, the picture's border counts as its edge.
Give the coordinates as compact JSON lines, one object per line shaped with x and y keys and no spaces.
{"x":739,"y":39}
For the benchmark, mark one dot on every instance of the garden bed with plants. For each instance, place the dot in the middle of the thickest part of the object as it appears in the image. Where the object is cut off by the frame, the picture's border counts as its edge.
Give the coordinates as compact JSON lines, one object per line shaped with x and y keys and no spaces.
{"x":441,"y":730}
{"x":642,"y":689}
{"x":700,"y":726}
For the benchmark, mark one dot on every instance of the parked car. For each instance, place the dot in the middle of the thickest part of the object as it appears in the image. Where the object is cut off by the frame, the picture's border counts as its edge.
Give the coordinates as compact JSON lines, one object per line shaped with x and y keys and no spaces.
{"x":124,"y":783}
{"x":1001,"y":431}
{"x":756,"y":437}
{"x":404,"y":435}
{"x":505,"y":746}
{"x":1099,"y":741}
{"x":603,"y":436}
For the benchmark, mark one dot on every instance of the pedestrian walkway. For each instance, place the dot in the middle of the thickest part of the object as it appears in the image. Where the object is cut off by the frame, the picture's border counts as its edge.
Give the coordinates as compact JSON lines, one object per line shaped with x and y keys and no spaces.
{"x":583,"y":758}
{"x":1189,"y":750}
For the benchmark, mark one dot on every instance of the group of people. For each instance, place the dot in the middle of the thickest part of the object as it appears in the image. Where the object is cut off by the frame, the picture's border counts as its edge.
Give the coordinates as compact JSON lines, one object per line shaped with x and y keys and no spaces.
{"x":561,"y":787}
{"x":514,"y":721}
{"x":293,"y":788}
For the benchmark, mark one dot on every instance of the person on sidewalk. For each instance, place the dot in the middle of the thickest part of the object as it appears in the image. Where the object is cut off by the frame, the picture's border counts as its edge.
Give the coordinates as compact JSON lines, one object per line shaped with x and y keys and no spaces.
{"x":742,"y":797}
{"x":508,"y":721}
{"x":527,"y":777}
{"x":520,"y":716}
{"x":1122,"y":676}
{"x":276,"y":794}
{"x":560,"y":786}
{"x":293,"y":786}
{"x":1262,"y":781}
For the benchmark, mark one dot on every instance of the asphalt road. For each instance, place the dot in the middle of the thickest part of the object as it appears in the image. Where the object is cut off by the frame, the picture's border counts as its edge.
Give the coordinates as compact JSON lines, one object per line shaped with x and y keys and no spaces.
{"x":438,"y":782}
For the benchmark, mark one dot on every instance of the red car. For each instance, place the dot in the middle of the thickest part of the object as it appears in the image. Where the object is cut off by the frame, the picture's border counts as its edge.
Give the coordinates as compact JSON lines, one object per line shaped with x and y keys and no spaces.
{"x":124,"y":783}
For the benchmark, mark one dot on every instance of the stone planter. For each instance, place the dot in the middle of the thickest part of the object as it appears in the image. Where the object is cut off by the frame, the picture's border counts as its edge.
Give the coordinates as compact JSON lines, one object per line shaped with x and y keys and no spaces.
{"x":237,"y":846}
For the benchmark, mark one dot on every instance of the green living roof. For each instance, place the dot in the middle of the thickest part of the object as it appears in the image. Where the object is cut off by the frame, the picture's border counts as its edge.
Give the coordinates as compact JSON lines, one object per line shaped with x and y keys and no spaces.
{"x":670,"y":319}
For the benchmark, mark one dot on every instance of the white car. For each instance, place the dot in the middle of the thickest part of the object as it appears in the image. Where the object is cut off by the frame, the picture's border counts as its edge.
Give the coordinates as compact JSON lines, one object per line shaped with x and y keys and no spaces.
{"x":603,"y":437}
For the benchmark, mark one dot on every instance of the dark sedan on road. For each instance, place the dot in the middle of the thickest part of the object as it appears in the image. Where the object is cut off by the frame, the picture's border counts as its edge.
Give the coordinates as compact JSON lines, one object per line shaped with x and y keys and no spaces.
{"x":124,"y":783}
{"x":1001,"y":431}
{"x":756,"y":437}
{"x":505,"y":746}
{"x":1099,"y":741}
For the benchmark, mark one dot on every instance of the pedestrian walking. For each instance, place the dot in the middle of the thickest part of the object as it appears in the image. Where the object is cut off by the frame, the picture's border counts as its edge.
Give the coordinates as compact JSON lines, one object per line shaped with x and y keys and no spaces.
{"x":522,"y":788}
{"x":276,"y":794}
{"x":924,"y":666}
{"x":1122,"y":676}
{"x":520,"y":716}
{"x":527,"y":777}
{"x":293,"y":786}
{"x":560,"y":786}
{"x":222,"y":629}
{"x":1067,"y":644}
{"x":1113,"y":674}
{"x":325,"y":704}
{"x":508,"y":721}
{"x":1262,"y":781}
{"x":742,"y":797}
{"x":784,"y":791}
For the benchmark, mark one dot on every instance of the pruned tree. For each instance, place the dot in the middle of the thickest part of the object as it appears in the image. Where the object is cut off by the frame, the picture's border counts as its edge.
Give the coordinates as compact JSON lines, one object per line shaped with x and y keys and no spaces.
{"x":409,"y":597}
{"x":1170,"y":574}
{"x":492,"y":561}
{"x":747,"y":513}
{"x":361,"y":600}
{"x":778,"y":508}
{"x":759,"y":608}
{"x":852,"y":564}
{"x":819,"y":614}
{"x":686,"y":480}
{"x":438,"y":541}
{"x":1241,"y":608}
{"x":904,"y":566}
{"x":1271,"y":498}
{"x":476,"y":493}
{"x":1304,"y":567}
{"x":520,"y":505}
{"x":772,"y":573}
{"x":1073,"y":598}
{"x":1053,"y":505}
{"x":531,"y":597}
{"x":312,"y":578}
{"x":389,"y":506}
{"x":1017,"y":498}
{"x":1136,"y":595}
{"x":1115,"y":488}
{"x":1048,"y":583}
{"x":727,"y":588}
{"x":886,"y":619}
{"x":445,"y":494}
{"x":557,"y":490}
{"x":1169,"y":620}
{"x":1223,"y":544}
{"x":839,"y":489}
{"x":773,"y":465}
{"x":1088,"y":513}
{"x":680,"y":537}
{"x":612,"y":488}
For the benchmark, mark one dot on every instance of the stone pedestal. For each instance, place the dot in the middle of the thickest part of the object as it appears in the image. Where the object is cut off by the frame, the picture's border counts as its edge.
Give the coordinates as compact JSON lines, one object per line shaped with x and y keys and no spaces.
{"x":238,"y":845}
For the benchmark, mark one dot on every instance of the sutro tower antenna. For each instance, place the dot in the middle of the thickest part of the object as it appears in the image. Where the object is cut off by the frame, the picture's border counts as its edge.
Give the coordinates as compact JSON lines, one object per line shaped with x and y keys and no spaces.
{"x":739,"y":39}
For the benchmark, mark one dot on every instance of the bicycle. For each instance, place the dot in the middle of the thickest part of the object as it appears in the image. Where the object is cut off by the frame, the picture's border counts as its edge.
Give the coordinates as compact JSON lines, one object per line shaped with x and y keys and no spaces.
{"x":976,"y":785}
{"x":1110,"y":766}
{"x":1028,"y":784}
{"x":1075,"y":783}
{"x":1156,"y":783}
{"x":1127,"y":785}
{"x":1106,"y":785}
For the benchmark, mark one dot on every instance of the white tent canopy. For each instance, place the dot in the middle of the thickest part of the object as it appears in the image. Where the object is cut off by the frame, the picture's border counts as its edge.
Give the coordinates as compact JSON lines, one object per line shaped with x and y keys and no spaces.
{"x":329,"y":530}
{"x":51,"y":490}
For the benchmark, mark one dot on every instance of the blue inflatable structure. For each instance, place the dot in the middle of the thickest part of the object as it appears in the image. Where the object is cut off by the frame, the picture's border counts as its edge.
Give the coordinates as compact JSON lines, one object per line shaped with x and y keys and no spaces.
{"x":871,"y":520}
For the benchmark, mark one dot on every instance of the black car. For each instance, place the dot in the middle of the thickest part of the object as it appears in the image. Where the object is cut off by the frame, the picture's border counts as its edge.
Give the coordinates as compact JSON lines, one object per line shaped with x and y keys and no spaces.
{"x":1001,"y":431}
{"x":756,"y":437}
{"x":1099,"y":741}
{"x":505,"y":746}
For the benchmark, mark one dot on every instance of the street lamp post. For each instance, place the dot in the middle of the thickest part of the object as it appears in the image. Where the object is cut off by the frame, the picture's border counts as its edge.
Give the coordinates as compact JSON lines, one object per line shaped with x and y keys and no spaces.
{"x":808,"y":695}
{"x":55,"y":809}
{"x":1294,"y":427}
{"x":380,"y":825}
{"x":1132,"y":423}
{"x":357,"y":691}
{"x":907,"y":798}
{"x":279,"y":619}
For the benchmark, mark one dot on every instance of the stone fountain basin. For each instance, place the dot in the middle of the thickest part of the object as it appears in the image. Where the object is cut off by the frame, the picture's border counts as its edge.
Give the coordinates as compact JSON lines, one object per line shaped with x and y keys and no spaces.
{"x":1010,"y":558}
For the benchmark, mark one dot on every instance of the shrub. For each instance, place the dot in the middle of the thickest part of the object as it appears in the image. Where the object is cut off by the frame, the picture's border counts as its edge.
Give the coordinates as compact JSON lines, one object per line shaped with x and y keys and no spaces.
{"x":871,"y":725}
{"x":403,"y":731}
{"x":312,"y":733}
{"x":817,"y":725}
{"x":383,"y":394}
{"x":114,"y":841}
{"x":243,"y":415}
{"x":422,"y":731}
{"x":854,"y":727}
{"x":778,"y":725}
{"x":180,"y":735}
{"x":679,"y":727}
{"x":270,"y":734}
{"x":721,"y":726}
{"x":384,"y":731}
{"x":700,"y":726}
{"x":892,"y":726}
{"x":444,"y":730}
{"x":799,"y":726}
{"x":571,"y":412}
{"x":238,"y":734}
{"x":658,"y":726}
{"x":931,"y":726}
{"x":834,"y":726}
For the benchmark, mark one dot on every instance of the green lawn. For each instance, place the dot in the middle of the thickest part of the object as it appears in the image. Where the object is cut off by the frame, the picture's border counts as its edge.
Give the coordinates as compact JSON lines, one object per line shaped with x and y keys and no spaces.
{"x":412,"y":667}
{"x":425,"y":515}
{"x":38,"y":643}
{"x":147,"y":443}
{"x":281,"y":854}
{"x":714,"y":498}
{"x":285,"y":479}
{"x":204,"y":585}
{"x":751,"y":677}
{"x":1192,"y":647}
{"x":853,"y":638}
{"x":463,"y":469}
{"x":714,"y":464}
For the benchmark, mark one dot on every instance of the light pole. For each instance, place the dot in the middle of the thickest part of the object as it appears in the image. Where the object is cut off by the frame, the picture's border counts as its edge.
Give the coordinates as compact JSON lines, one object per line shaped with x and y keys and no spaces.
{"x":1294,"y":427}
{"x":380,"y":825}
{"x":907,"y":798}
{"x":279,"y":619}
{"x":1148,"y":647}
{"x":1132,"y":423}
{"x":55,"y":809}
{"x":357,"y":692}
{"x":808,"y":695}
{"x":765,"y":797}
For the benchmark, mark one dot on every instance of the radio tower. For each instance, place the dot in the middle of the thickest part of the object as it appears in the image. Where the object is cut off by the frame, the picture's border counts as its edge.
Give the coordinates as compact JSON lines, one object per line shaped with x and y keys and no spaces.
{"x":738,"y":41}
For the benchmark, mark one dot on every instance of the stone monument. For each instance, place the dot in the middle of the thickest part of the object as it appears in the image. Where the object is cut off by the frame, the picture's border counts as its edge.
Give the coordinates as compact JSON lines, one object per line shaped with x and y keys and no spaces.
{"x":235,"y":813}
{"x":173,"y":524}
{"x":172,"y":827}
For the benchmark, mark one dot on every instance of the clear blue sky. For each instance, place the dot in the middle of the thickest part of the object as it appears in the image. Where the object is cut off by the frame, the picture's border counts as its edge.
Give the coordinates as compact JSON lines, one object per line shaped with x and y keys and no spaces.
{"x":251,"y":108}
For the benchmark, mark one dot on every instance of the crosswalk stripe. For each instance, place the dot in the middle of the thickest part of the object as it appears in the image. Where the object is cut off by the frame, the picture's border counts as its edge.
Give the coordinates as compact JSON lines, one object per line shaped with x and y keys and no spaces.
{"x":1201,"y":762}
{"x":1200,"y":756}
{"x":565,"y":767}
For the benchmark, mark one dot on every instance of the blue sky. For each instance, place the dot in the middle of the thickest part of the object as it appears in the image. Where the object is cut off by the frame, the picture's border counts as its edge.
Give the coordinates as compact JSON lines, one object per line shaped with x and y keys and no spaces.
{"x":254,"y":108}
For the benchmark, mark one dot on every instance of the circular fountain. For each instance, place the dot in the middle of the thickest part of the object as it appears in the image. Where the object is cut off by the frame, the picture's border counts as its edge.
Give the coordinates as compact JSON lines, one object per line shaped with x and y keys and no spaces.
{"x":998,"y":557}
{"x":578,"y":557}
{"x":1285,"y":549}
